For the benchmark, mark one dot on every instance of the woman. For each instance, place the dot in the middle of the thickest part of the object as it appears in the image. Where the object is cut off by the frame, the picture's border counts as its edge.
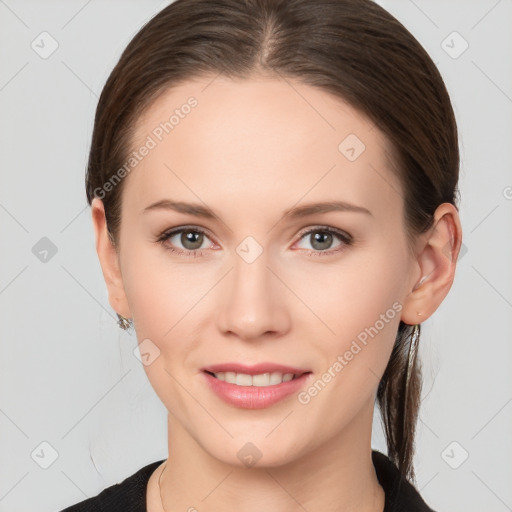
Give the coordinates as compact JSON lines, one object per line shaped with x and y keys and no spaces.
{"x":273,"y":188}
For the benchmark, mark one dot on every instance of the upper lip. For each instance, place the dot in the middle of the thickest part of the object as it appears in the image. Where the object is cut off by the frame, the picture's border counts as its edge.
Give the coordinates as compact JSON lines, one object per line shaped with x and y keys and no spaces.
{"x":254,"y":369}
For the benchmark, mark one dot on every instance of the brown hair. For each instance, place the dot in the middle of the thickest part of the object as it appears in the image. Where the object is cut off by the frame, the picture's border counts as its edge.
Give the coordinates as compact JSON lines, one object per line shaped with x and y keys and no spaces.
{"x":353,"y":49}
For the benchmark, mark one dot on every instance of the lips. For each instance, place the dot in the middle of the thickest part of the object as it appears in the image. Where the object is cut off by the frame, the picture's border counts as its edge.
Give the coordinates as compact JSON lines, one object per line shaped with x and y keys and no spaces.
{"x":255,"y":397}
{"x":256,"y":369}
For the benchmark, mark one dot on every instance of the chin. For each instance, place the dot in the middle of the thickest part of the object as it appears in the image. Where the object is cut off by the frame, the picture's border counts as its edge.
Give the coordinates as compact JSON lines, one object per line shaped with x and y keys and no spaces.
{"x":253,"y":453}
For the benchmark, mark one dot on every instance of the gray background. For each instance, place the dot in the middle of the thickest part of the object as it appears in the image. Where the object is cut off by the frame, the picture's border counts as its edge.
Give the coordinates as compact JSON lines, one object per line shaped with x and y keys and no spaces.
{"x":68,"y":375}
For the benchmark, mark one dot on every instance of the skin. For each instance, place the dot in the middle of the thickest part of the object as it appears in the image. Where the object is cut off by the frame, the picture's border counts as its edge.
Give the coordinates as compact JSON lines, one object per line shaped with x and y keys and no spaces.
{"x":250,"y":150}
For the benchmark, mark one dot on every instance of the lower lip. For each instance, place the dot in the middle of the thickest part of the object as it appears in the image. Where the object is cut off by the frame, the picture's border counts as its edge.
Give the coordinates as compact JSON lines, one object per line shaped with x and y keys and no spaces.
{"x":255,"y":397}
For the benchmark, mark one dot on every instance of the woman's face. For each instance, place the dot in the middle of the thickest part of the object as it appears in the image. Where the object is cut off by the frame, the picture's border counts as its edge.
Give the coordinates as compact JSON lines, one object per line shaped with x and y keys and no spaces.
{"x":263,"y":280}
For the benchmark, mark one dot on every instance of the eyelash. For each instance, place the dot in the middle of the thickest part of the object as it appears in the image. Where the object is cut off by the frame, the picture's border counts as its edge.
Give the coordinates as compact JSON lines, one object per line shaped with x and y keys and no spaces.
{"x":344,"y":237}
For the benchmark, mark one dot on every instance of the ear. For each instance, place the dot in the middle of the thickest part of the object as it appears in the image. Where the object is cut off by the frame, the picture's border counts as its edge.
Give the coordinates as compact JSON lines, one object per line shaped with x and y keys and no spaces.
{"x":436,"y":261}
{"x":109,"y":260}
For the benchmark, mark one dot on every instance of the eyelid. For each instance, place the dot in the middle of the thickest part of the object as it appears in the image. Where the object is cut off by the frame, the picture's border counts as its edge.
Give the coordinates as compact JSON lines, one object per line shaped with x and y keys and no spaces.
{"x":178,"y":229}
{"x":345,"y":237}
{"x":346,"y":240}
{"x":343,"y":234}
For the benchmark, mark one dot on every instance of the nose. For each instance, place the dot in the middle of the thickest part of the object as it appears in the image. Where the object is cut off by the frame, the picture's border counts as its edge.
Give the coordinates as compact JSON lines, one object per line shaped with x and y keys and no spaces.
{"x":253,"y":301}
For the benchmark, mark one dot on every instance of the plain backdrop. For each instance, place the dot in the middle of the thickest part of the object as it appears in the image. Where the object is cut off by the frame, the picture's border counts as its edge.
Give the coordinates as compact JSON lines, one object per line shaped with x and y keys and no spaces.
{"x":77,"y":413}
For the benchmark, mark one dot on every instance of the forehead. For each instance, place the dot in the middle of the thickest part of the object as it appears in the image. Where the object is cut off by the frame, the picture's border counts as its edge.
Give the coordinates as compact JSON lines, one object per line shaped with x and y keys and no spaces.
{"x":256,"y":142}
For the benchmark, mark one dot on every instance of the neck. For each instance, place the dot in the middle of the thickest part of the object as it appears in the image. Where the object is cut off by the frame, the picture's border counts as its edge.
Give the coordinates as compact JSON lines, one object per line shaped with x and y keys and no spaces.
{"x":338,"y":475}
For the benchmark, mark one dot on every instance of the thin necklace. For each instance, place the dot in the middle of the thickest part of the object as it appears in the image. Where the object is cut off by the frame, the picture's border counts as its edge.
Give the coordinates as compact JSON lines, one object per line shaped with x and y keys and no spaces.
{"x":159,"y":488}
{"x":162,"y":501}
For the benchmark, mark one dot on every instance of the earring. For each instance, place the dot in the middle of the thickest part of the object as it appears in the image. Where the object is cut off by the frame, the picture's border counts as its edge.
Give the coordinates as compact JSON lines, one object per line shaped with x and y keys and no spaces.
{"x":123,"y":323}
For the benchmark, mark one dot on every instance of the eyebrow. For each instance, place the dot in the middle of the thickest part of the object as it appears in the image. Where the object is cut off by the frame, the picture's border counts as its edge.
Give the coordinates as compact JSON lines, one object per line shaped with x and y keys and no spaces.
{"x":293,"y":213}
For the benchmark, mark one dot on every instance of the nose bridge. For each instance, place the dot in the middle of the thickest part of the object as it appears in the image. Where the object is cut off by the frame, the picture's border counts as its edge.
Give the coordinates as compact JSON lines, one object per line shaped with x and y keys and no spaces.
{"x":253,"y":303}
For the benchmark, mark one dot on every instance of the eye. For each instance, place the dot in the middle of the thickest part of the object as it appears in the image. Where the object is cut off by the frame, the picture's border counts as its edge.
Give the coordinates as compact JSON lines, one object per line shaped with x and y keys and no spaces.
{"x":191,"y":238}
{"x":321,"y":238}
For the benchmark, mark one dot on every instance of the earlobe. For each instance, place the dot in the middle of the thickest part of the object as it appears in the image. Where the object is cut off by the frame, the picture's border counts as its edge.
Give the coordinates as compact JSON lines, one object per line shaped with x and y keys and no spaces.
{"x":437,"y":261}
{"x":109,"y":260}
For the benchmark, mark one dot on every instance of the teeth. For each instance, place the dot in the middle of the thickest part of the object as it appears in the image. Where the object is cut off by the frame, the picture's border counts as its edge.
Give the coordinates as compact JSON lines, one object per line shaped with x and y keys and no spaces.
{"x":263,"y":379}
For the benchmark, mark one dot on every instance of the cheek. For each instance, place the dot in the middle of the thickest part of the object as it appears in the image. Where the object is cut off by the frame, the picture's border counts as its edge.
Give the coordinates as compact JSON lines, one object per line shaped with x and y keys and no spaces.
{"x":362,"y":309}
{"x":161,"y":297}
{"x":358,"y":306}
{"x":167,"y":301}
{"x":157,"y":289}
{"x":354,"y":295}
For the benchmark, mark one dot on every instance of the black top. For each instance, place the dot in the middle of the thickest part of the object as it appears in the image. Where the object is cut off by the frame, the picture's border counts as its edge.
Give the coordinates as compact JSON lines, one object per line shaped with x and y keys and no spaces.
{"x":130,"y":494}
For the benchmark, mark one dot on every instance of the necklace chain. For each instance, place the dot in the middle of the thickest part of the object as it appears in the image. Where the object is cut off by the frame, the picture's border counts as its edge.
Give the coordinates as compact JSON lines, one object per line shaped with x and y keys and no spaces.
{"x":159,"y":488}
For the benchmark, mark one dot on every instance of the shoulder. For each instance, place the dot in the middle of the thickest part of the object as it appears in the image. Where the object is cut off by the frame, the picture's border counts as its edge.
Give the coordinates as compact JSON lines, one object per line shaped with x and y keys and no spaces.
{"x":400,"y":493}
{"x":129,"y":495}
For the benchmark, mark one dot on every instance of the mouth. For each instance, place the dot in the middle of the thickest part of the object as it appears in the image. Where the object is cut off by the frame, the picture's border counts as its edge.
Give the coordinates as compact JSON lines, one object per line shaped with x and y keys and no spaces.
{"x":256,"y":390}
{"x":264,"y":379}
